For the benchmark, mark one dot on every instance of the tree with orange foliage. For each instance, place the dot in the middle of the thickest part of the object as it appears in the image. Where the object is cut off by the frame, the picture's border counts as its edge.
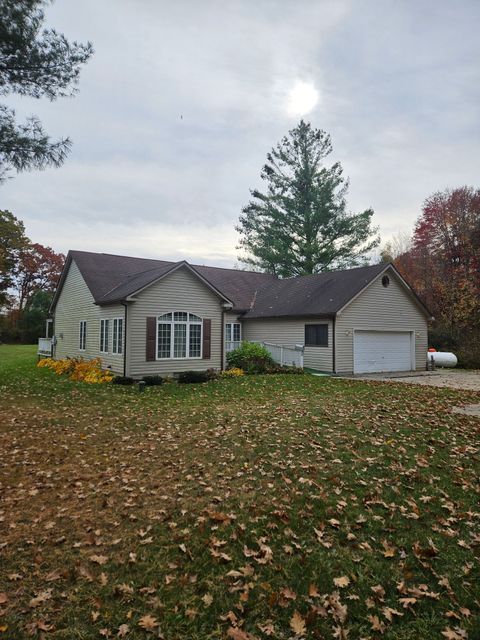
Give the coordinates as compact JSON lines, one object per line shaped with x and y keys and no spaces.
{"x":38,"y":269}
{"x":443,"y":264}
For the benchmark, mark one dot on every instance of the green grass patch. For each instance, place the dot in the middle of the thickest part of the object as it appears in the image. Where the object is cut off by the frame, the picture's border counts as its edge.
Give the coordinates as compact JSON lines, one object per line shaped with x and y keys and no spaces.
{"x":262,"y":506}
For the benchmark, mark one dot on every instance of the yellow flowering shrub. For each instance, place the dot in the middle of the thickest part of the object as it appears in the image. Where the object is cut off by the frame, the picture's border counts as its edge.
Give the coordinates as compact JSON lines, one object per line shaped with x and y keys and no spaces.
{"x":235,"y":372}
{"x":89,"y":371}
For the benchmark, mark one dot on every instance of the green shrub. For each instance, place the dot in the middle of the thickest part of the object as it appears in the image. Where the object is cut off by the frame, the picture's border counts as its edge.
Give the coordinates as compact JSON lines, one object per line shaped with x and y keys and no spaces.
{"x":125,"y":380}
{"x":192,"y":377}
{"x":251,"y":357}
{"x":152,"y":381}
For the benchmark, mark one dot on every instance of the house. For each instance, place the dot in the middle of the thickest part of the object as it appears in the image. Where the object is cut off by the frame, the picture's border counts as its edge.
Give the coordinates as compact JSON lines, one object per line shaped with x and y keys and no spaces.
{"x":143,"y":316}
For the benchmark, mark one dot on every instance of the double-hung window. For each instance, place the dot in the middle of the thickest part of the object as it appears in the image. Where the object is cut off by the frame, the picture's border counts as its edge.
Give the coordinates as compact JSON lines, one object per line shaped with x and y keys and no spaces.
{"x":104,"y":336}
{"x":179,"y":335}
{"x":117,"y":336}
{"x":82,"y":335}
{"x":233,"y":335}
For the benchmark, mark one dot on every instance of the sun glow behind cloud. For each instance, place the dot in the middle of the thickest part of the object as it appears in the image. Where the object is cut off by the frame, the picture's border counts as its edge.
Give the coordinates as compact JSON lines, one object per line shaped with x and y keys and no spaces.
{"x":302,"y":99}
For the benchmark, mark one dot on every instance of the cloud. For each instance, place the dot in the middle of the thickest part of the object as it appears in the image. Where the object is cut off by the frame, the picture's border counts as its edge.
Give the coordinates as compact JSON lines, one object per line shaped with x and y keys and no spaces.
{"x":182,"y":101}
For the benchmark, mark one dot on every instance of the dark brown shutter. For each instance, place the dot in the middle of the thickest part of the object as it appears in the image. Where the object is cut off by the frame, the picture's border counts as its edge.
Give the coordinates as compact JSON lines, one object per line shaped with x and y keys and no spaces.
{"x":151,"y":338}
{"x":207,"y":339}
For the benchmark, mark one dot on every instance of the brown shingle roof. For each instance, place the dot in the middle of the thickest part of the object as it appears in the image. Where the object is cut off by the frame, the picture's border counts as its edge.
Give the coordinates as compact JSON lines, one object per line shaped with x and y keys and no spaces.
{"x":318,"y":294}
{"x":113,"y":278}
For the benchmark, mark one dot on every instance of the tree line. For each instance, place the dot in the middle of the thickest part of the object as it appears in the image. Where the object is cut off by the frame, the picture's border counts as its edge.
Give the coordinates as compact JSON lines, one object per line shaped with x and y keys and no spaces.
{"x":441,"y":261}
{"x":29,"y":273}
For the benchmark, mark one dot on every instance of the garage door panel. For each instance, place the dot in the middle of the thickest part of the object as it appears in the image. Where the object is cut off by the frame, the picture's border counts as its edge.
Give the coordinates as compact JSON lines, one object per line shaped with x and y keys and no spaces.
{"x":377,"y":351}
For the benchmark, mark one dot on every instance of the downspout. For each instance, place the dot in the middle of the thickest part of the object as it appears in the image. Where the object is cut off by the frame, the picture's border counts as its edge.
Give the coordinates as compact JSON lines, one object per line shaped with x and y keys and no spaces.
{"x":125,"y":340}
{"x":334,"y":363}
{"x":222,"y":346}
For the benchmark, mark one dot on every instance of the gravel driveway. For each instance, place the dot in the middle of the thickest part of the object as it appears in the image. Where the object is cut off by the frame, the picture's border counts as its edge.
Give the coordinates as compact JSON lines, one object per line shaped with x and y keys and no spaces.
{"x":451,"y":378}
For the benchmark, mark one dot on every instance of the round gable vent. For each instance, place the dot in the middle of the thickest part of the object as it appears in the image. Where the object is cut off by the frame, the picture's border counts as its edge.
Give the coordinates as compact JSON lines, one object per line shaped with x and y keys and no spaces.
{"x":385,"y":281}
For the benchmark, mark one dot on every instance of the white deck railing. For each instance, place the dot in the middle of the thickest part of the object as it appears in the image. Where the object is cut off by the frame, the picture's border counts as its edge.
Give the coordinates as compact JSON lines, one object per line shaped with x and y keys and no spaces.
{"x":45,"y":347}
{"x":286,"y":355}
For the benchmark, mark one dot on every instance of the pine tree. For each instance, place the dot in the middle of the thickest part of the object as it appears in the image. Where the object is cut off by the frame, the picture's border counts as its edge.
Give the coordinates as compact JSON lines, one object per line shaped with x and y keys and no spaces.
{"x":299,"y":225}
{"x":34,"y":62}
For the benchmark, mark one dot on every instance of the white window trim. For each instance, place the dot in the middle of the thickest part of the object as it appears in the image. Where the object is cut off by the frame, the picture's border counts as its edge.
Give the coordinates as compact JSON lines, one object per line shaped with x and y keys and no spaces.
{"x":80,"y":336}
{"x":103,"y":322}
{"x":115,"y":352}
{"x":231,"y":324}
{"x":173,"y":322}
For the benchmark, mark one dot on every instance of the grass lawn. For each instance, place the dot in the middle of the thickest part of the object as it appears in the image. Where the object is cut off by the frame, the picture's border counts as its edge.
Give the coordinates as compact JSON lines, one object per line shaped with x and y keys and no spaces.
{"x":270,"y":506}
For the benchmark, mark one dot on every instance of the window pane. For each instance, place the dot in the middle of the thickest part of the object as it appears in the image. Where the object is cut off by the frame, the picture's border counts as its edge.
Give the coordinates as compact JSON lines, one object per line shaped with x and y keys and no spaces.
{"x":316,"y":335}
{"x":228,"y":333}
{"x":195,"y":340}
{"x":120,"y":336}
{"x":165,"y":318}
{"x":180,"y":316}
{"x":83,"y":335}
{"x":179,"y":340}
{"x":114,"y":336}
{"x":236,"y":332}
{"x":104,"y":336}
{"x":164,"y":337}
{"x":117,"y":336}
{"x":194,"y":318}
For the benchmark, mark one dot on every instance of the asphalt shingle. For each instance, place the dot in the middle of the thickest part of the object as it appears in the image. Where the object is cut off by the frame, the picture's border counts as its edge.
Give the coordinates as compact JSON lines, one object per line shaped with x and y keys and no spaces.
{"x":113,"y":278}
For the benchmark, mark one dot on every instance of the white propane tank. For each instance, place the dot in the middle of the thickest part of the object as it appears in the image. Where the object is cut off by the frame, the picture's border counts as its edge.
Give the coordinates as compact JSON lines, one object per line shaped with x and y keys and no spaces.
{"x":442,"y":358}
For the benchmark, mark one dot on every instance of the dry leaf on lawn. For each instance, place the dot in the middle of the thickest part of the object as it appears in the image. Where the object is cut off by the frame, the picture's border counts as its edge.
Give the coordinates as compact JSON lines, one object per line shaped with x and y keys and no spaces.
{"x":342,"y":581}
{"x":147,"y":622}
{"x":297,"y":624}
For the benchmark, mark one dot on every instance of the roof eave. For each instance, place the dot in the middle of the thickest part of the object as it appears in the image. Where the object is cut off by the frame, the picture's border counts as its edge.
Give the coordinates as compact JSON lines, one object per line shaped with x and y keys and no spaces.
{"x":58,"y":289}
{"x":311,"y":314}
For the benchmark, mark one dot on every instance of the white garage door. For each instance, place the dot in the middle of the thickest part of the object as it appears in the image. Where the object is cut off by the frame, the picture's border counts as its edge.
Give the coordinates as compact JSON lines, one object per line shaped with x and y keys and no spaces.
{"x":376,"y":351}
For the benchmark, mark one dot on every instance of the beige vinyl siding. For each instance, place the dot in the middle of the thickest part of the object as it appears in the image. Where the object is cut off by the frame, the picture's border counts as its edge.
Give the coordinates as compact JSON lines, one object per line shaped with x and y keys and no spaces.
{"x":74,"y":304}
{"x":232,"y":317}
{"x":289,"y":332}
{"x":178,"y":291}
{"x":380,"y":308}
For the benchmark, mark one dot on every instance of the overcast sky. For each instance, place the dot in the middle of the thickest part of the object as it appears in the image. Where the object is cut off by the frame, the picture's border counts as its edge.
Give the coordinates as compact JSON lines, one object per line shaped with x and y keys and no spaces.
{"x":182,"y":100}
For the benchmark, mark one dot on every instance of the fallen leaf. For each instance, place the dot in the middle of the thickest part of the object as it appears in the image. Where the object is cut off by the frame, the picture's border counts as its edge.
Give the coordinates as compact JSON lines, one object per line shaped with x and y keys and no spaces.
{"x":40,"y":598}
{"x":297,"y":624}
{"x":377,"y":624}
{"x":147,"y":622}
{"x":342,"y":581}
{"x":207,"y":599}
{"x":454,"y":634}
{"x":238,"y":634}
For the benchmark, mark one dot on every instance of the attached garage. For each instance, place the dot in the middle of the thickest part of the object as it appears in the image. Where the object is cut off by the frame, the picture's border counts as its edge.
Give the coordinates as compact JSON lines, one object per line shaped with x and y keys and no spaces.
{"x":377,"y":351}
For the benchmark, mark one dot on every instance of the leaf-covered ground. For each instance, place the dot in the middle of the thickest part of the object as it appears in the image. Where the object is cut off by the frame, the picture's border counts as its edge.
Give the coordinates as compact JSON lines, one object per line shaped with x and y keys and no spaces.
{"x":276,"y":506}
